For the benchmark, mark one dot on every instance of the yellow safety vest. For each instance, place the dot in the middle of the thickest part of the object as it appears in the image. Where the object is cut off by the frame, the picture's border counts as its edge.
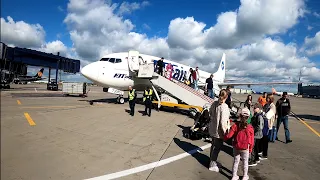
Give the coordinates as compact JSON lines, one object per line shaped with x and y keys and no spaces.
{"x":131,"y":95}
{"x":148,"y":94}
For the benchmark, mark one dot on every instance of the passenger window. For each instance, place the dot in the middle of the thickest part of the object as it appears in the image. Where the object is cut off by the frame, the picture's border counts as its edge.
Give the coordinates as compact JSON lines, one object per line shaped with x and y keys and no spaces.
{"x":118,"y":60}
{"x":112,"y":60}
{"x":104,"y":59}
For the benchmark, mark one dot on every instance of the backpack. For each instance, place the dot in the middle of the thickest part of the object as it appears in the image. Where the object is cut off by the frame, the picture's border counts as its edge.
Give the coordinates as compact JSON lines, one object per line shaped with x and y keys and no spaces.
{"x":242,"y":139}
{"x":265,"y":130}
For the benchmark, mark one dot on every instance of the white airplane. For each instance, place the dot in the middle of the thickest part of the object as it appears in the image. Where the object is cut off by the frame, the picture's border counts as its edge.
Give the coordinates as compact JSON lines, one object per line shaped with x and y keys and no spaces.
{"x":279,"y":93}
{"x":113,"y":71}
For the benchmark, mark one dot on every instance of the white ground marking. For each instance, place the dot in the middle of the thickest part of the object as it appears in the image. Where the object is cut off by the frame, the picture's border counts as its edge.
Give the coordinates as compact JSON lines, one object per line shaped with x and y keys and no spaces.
{"x":35,"y":89}
{"x":151,"y":165}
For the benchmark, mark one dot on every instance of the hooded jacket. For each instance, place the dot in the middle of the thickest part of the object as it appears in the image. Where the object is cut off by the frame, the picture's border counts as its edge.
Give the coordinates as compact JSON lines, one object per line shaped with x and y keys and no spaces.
{"x":219,"y":120}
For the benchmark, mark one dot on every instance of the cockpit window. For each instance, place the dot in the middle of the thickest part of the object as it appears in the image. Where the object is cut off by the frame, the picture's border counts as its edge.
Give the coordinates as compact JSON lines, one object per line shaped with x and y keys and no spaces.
{"x":112,"y":60}
{"x":105,"y":59}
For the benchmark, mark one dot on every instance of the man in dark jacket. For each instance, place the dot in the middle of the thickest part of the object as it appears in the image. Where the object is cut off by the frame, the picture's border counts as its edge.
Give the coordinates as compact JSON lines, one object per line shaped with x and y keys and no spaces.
{"x":283,"y":110}
{"x":160,"y":66}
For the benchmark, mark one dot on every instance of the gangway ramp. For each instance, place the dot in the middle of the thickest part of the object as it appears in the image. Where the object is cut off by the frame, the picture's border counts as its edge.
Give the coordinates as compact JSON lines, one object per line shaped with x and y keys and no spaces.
{"x":181,"y":91}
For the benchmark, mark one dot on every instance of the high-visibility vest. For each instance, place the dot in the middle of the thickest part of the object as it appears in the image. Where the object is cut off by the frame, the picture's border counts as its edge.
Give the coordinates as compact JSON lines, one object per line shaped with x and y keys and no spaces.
{"x":148,"y":94}
{"x":131,"y":95}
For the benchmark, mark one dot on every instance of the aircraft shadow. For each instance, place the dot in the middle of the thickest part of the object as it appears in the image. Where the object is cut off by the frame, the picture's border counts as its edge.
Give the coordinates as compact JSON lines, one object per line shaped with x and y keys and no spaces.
{"x":203,"y":159}
{"x":139,"y":101}
{"x":309,"y":117}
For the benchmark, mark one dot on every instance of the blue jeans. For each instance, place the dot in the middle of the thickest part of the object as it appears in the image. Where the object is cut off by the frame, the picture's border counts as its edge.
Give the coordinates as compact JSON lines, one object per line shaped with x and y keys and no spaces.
{"x":210,"y":93}
{"x":284,"y":119}
{"x":272,"y":135}
{"x":196,"y":84}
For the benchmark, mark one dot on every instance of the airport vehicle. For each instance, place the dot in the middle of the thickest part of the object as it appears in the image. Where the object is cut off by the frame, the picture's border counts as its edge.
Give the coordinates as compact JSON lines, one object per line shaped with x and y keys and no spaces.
{"x":121,"y":70}
{"x":24,"y":79}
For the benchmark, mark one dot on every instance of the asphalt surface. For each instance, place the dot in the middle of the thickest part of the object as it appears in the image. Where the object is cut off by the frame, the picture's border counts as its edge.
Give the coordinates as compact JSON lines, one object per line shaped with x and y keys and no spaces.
{"x":45,"y":135}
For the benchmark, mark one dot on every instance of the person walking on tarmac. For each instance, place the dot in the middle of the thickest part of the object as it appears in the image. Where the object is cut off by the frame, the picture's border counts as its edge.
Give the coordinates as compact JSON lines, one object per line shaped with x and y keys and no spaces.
{"x":283,"y":110}
{"x":148,"y":93}
{"x":132,"y":95}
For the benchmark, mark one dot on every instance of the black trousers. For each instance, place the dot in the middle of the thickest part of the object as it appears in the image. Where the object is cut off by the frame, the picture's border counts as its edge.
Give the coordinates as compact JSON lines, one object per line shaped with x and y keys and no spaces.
{"x":256,"y":150}
{"x":148,"y":105}
{"x":264,"y":145}
{"x":160,"y":71}
{"x":132,"y":104}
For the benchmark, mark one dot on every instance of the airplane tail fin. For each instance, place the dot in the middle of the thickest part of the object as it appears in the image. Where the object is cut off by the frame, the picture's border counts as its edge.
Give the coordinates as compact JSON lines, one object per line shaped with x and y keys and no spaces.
{"x":273,"y":90}
{"x":40,"y":73}
{"x":220,"y":74}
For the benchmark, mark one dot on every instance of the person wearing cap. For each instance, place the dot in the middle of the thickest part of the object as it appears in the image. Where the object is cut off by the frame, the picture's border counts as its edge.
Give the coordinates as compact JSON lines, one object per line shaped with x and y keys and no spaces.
{"x":283,"y":110}
{"x":243,"y":141}
{"x":257,"y":122}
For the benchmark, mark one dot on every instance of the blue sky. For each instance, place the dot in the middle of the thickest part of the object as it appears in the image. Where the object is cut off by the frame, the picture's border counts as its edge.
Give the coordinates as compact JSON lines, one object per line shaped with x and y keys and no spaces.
{"x":154,"y":20}
{"x":157,"y":16}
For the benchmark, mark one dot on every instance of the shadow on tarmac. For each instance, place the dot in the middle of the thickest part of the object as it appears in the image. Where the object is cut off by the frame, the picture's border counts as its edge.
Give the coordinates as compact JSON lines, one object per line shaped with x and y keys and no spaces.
{"x":309,"y":117}
{"x":203,"y":159}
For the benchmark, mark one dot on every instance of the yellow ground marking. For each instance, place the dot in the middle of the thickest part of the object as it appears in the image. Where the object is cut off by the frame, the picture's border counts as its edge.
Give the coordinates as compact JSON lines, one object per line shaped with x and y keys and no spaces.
{"x":305,"y":123}
{"x":18,"y":101}
{"x":45,"y":107}
{"x":316,"y":122}
{"x":31,"y":122}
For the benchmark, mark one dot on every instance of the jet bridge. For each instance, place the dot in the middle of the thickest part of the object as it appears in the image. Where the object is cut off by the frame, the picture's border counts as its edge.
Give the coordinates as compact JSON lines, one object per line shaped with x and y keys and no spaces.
{"x":179,"y":90}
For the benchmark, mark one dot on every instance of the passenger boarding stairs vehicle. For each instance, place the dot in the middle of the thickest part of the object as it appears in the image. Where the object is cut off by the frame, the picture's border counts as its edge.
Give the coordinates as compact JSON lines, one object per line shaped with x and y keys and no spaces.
{"x":173,"y":93}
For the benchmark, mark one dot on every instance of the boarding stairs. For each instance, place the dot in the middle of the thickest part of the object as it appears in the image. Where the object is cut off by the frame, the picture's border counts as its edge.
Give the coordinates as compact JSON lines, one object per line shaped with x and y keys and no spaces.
{"x":174,"y":87}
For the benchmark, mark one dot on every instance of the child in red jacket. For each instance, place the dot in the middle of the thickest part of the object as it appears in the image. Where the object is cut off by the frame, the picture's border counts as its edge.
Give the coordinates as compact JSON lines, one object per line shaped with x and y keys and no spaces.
{"x":243,"y":141}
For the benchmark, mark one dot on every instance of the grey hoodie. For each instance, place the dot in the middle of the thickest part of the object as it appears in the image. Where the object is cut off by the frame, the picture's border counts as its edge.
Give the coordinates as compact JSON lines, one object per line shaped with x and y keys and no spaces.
{"x":257,"y":123}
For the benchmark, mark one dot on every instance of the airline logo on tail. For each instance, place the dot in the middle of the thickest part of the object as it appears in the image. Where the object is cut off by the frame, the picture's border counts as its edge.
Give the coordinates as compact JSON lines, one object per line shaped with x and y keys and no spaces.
{"x":222,"y":65}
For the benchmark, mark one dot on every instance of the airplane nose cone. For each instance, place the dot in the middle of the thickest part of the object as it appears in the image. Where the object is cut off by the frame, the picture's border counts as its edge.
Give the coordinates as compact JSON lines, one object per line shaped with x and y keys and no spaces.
{"x":89,"y":72}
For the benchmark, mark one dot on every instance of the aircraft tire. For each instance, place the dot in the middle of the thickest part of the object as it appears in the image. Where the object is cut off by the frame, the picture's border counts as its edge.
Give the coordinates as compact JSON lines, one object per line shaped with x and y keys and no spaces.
{"x":120,"y":100}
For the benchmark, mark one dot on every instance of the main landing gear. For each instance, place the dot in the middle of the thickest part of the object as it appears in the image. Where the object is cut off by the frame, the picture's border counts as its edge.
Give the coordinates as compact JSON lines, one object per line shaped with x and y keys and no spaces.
{"x":120,"y":99}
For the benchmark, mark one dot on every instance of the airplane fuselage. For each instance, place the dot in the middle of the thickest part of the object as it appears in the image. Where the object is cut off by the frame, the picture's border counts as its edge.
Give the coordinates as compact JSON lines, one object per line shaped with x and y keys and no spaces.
{"x":113,"y":71}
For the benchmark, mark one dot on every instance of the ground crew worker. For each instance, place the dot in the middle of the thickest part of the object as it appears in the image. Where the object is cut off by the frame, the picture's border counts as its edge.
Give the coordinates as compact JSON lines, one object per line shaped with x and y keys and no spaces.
{"x":148,"y":93}
{"x":132,"y":95}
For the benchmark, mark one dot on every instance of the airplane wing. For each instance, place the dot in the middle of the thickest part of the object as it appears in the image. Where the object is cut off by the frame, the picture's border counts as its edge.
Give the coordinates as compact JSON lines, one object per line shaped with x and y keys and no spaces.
{"x":252,"y":83}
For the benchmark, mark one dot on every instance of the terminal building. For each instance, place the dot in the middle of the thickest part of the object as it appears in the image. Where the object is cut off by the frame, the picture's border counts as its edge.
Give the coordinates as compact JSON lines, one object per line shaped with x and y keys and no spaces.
{"x":311,"y":90}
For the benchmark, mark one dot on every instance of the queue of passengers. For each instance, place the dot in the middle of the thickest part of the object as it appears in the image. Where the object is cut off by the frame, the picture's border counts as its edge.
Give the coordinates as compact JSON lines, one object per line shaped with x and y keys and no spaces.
{"x":250,"y":138}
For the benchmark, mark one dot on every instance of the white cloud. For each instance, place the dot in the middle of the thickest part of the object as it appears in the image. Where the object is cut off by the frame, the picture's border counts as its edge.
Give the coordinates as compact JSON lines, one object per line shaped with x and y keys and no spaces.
{"x":312,"y":45}
{"x":316,"y":14}
{"x":310,"y":28}
{"x":22,"y":34}
{"x":185,"y":33}
{"x":128,"y":8}
{"x":54,"y":47}
{"x":253,"y":20}
{"x":97,"y":28}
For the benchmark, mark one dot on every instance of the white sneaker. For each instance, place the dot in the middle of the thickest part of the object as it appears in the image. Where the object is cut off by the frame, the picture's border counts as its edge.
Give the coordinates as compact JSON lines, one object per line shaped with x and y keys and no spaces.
{"x":235,"y":178}
{"x":260,"y":154}
{"x":245,"y":178}
{"x":214,"y":168}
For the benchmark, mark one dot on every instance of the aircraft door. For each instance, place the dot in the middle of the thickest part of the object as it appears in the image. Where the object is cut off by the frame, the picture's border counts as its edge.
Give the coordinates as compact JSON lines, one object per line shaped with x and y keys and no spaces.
{"x":133,"y":60}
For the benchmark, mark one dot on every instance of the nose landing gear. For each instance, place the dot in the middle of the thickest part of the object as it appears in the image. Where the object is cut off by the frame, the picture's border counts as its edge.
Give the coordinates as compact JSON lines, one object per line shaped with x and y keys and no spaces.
{"x":120,"y":99}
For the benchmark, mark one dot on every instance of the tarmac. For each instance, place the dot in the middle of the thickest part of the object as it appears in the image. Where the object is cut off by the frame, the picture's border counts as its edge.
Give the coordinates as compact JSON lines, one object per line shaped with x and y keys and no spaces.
{"x":45,"y":135}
